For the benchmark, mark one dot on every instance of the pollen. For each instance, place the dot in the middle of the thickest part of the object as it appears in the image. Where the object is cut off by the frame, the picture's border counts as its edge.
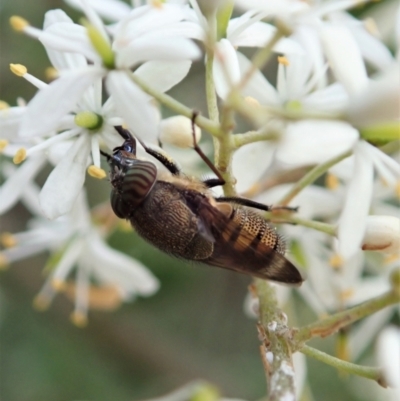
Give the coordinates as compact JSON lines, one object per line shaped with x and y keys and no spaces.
{"x":4,"y":263}
{"x":79,"y":319}
{"x":8,"y":240}
{"x":20,"y":156}
{"x":389,"y":259}
{"x":105,"y":298}
{"x":18,"y":69}
{"x":58,"y":284}
{"x":51,"y":73}
{"x":331,"y":181}
{"x":41,"y":303}
{"x":157,"y":3}
{"x":371,"y":27}
{"x":336,"y":261}
{"x":4,"y":105}
{"x":283,"y":60}
{"x":251,"y":101}
{"x":346,"y":294}
{"x":96,"y":172}
{"x":397,"y":190}
{"x":18,"y":23}
{"x":3,"y":144}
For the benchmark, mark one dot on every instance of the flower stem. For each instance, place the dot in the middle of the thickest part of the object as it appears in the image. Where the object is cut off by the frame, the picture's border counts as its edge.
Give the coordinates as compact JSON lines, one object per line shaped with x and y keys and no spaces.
{"x":262,"y":134}
{"x":203,"y":122}
{"x":311,"y":176}
{"x":368,"y":372}
{"x":291,"y":219}
{"x":276,"y":352}
{"x":333,"y":323}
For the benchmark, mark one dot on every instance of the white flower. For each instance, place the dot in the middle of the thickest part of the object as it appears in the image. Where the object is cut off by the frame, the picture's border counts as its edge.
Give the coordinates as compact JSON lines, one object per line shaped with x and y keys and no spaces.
{"x":388,"y":354}
{"x":177,"y":131}
{"x":76,"y":245}
{"x":382,"y":234}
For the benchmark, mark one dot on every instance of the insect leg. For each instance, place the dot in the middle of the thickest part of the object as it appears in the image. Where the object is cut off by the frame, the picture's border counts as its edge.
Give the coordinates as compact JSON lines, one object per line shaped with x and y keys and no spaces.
{"x":163,"y":159}
{"x":256,"y":205}
{"x":212,"y":182}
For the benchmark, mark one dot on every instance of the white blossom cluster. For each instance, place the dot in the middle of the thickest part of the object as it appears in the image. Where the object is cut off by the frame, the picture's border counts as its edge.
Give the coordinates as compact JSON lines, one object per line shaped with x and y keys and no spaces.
{"x":336,"y":90}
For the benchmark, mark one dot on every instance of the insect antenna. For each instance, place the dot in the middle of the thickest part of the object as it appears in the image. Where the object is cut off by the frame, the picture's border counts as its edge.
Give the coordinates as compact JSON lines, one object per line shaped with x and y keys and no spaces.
{"x":130,"y":142}
{"x":106,"y":155}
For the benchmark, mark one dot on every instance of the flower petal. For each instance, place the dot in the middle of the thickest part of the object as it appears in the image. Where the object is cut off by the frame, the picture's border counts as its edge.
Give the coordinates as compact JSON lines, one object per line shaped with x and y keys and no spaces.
{"x":133,"y":105}
{"x":163,"y":75}
{"x":353,"y":220}
{"x":13,"y":188}
{"x":313,"y":141}
{"x":52,"y":103}
{"x":225,"y":68}
{"x":345,"y":58}
{"x":112,"y":10}
{"x":65,"y":182}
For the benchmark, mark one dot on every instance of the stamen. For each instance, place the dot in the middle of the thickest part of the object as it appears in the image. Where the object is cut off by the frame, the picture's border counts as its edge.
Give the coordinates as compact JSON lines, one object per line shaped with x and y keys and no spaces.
{"x":51,"y":73}
{"x":20,"y":156}
{"x":58,"y":285}
{"x":3,"y":144}
{"x":4,"y":105}
{"x":397,"y":190}
{"x":96,"y":172}
{"x":41,"y":302}
{"x":283,"y":60}
{"x":331,"y":181}
{"x":4,"y":263}
{"x":251,"y":101}
{"x":8,"y":240}
{"x":371,"y":27}
{"x":336,"y":261}
{"x":18,"y":69}
{"x":79,"y":319}
{"x":18,"y":23}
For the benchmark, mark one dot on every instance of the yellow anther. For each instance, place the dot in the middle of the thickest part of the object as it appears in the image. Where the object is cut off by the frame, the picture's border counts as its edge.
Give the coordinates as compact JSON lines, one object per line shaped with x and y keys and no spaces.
{"x":283,"y":60}
{"x":58,"y":284}
{"x":79,"y":319}
{"x":41,"y":303}
{"x":18,"y":69}
{"x":51,"y":73}
{"x":397,"y":190}
{"x":157,"y":3}
{"x":125,"y":226}
{"x":347,"y":294}
{"x":390,"y":258}
{"x":20,"y":156}
{"x":371,"y":27}
{"x":251,"y":101}
{"x":336,"y":261}
{"x":4,"y":263}
{"x":3,"y":144}
{"x":18,"y":23}
{"x":8,"y":240}
{"x":331,"y":181}
{"x":96,"y":172}
{"x":4,"y":105}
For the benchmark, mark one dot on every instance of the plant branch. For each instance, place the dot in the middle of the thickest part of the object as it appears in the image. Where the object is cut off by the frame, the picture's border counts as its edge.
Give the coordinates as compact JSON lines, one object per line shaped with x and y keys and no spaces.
{"x":203,"y":122}
{"x":276,"y":351}
{"x":368,"y":372}
{"x":333,"y":323}
{"x":311,"y":176}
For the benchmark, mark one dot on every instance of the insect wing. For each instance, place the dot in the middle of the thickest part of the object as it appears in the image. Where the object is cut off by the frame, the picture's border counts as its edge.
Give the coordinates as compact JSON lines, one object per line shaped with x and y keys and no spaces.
{"x":238,"y":249}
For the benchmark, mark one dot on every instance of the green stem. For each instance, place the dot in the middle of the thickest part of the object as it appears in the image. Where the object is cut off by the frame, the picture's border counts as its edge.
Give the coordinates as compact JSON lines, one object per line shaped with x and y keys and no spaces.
{"x":311,"y":176}
{"x":263,"y":134}
{"x":279,"y":366}
{"x":211,"y":95}
{"x":333,"y":323}
{"x":363,"y":371}
{"x":260,"y":59}
{"x":292,"y":219}
{"x":203,"y":122}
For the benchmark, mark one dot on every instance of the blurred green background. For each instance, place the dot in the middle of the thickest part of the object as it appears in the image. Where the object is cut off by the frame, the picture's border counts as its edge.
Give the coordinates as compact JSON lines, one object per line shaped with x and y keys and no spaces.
{"x":194,"y":327}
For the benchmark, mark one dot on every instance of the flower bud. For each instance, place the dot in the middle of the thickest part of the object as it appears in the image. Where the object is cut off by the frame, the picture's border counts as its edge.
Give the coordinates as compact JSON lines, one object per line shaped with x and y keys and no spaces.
{"x":382,"y":234}
{"x":177,"y":131}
